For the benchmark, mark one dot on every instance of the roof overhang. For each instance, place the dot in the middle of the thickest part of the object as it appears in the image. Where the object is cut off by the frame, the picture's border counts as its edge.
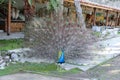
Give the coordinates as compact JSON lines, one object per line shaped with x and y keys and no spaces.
{"x":95,"y":5}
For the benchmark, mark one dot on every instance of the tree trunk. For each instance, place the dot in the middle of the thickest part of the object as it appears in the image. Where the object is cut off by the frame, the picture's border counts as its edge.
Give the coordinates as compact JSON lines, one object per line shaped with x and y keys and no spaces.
{"x":60,"y":9}
{"x":79,"y":14}
{"x":29,"y":10}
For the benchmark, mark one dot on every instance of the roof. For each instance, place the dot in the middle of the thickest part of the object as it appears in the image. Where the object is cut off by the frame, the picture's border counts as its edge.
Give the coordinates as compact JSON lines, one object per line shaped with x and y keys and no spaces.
{"x":95,"y":5}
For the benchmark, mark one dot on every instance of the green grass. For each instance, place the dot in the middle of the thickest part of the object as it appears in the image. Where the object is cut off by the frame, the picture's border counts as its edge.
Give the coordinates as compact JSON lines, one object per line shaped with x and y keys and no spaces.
{"x":72,"y":71}
{"x":10,"y":44}
{"x":29,"y":67}
{"x":119,"y":32}
{"x":36,"y":68}
{"x":97,"y":34}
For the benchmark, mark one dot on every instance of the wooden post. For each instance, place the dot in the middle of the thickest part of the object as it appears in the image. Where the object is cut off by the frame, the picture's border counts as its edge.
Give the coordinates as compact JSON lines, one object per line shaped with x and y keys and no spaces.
{"x":107,"y":17}
{"x":68,"y":11}
{"x":119,"y":21}
{"x":117,"y":18}
{"x":94,"y":19}
{"x":9,"y":18}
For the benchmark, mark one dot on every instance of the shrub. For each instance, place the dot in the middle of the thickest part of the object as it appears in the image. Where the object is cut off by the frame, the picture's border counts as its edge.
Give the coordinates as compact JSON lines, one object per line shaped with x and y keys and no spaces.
{"x":48,"y":36}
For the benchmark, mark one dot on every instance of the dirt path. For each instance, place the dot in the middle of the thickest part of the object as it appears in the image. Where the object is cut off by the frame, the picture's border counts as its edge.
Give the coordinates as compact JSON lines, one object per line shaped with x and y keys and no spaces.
{"x":107,"y":71}
{"x":28,"y":76}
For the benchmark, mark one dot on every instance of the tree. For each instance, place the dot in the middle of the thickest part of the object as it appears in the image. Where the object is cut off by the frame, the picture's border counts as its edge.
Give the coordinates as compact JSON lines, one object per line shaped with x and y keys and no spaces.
{"x":60,"y":9}
{"x":49,"y":36}
{"x":29,"y":12}
{"x":79,"y":14}
{"x":29,"y":9}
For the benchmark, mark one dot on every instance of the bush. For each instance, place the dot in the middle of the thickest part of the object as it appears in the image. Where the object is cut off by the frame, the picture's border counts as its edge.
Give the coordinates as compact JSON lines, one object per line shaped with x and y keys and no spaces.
{"x":48,"y":36}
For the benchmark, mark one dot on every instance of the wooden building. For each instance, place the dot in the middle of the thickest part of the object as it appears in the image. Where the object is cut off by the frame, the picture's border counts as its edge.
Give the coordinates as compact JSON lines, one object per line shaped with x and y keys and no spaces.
{"x":90,"y":11}
{"x":11,"y":21}
{"x":93,"y":9}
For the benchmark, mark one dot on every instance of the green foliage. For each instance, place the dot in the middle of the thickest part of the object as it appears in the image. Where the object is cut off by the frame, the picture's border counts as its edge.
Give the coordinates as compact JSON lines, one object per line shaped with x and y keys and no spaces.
{"x":10,"y":44}
{"x":1,"y":1}
{"x":53,"y":4}
{"x":30,"y":2}
{"x":6,"y":1}
{"x":119,"y":32}
{"x":97,"y":34}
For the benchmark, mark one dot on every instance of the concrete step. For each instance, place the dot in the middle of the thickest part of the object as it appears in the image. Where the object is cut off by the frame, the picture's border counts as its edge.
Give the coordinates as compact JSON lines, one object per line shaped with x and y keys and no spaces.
{"x":11,"y":36}
{"x":1,"y":31}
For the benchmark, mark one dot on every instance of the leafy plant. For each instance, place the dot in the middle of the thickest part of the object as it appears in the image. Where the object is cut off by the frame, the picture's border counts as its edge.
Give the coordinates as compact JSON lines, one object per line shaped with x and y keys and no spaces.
{"x":1,"y":1}
{"x":119,"y":32}
{"x":30,"y":2}
{"x":53,"y":4}
{"x":98,"y":34}
{"x":6,"y":1}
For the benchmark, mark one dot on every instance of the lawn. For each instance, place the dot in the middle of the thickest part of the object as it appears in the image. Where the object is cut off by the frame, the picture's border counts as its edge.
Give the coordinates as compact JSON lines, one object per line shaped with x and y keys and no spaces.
{"x":45,"y":68}
{"x":30,"y":67}
{"x":10,"y":44}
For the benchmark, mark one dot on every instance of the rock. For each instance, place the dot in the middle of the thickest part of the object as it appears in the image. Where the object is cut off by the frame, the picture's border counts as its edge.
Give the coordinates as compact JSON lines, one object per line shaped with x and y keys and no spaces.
{"x":7,"y":60}
{"x":110,"y":32}
{"x":98,"y":28}
{"x":2,"y":65}
{"x":1,"y":59}
{"x":14,"y":57}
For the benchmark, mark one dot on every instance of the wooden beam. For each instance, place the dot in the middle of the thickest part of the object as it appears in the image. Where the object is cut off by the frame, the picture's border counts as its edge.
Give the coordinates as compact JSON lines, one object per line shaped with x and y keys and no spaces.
{"x":94,"y":14}
{"x":93,"y":5}
{"x":9,"y":18}
{"x":68,"y":11}
{"x":107,"y":17}
{"x":117,"y":19}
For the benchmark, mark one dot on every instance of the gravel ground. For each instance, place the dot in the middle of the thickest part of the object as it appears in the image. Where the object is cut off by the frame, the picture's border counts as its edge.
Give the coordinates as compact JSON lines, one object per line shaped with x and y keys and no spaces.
{"x":107,"y":71}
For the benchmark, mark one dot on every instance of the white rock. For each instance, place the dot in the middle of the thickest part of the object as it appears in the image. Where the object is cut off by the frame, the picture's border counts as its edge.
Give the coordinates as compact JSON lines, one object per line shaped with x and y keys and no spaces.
{"x":14,"y":57}
{"x":1,"y":59}
{"x":19,"y":50}
{"x":96,"y":28}
{"x":7,"y":59}
{"x":2,"y":65}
